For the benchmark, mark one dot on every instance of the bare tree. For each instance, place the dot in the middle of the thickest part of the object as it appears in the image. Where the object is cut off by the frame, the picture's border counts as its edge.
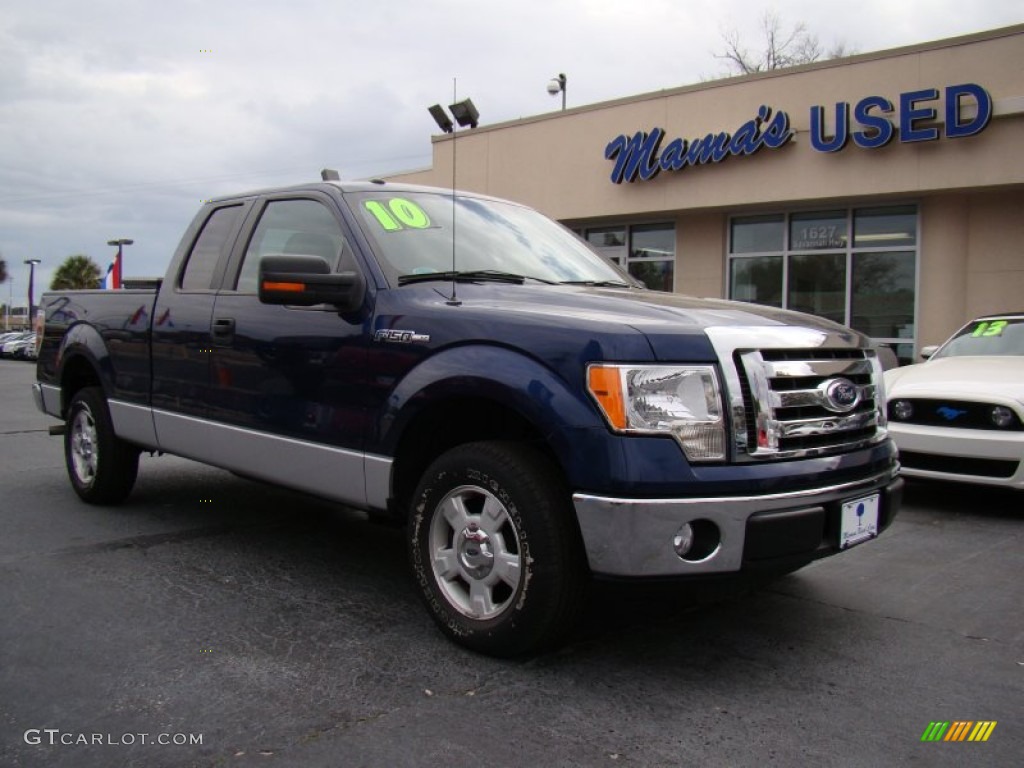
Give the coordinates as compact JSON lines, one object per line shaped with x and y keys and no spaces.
{"x":781,"y":48}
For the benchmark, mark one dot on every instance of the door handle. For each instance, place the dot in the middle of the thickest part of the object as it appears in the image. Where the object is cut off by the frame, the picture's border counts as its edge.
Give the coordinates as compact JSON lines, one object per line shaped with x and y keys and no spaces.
{"x":223,"y":328}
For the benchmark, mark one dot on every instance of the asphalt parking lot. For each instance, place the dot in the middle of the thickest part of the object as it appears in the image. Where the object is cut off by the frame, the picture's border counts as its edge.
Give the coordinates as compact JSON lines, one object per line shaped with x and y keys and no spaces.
{"x":250,"y":626}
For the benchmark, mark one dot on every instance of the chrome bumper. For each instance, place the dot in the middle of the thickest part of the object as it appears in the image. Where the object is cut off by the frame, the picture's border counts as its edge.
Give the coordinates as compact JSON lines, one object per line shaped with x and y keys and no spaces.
{"x":47,"y":399}
{"x":634,"y":537}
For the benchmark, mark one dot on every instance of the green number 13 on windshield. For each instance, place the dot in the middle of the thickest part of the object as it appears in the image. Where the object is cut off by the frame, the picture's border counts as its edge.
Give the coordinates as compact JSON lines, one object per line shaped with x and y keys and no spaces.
{"x":990,"y":328}
{"x":398,"y":214}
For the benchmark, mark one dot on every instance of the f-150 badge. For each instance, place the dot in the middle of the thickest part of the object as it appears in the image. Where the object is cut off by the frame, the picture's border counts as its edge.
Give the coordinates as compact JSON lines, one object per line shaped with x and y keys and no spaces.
{"x":400,"y":337}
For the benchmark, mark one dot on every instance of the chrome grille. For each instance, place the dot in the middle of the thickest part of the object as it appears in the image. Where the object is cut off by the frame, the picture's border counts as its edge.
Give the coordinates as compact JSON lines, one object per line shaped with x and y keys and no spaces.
{"x":791,"y":402}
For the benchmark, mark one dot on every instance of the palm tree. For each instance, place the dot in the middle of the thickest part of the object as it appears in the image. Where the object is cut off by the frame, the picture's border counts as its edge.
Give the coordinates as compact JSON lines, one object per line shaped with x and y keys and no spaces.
{"x":78,"y":271}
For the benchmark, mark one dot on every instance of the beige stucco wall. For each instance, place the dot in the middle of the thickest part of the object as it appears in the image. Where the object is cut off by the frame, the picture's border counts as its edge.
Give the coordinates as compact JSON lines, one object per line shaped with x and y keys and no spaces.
{"x":995,"y":255}
{"x":700,"y":245}
{"x":970,"y":191}
{"x":942,"y":271}
{"x":972,"y":260}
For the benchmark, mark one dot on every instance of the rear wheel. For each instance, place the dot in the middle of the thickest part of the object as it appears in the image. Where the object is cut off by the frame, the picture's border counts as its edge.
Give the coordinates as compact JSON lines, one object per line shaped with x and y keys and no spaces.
{"x":102,"y":467}
{"x":495,"y":549}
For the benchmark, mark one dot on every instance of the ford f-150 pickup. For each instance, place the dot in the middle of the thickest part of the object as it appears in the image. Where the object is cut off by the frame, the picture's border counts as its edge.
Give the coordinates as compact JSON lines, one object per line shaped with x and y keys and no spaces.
{"x":529,"y":411}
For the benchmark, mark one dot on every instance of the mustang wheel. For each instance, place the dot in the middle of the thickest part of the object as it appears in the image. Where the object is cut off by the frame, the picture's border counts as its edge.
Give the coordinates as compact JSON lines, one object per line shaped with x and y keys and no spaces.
{"x":101,"y":466}
{"x":495,"y":549}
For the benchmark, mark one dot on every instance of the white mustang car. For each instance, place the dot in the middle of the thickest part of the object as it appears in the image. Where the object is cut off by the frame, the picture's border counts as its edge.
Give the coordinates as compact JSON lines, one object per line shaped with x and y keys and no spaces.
{"x":960,"y":415}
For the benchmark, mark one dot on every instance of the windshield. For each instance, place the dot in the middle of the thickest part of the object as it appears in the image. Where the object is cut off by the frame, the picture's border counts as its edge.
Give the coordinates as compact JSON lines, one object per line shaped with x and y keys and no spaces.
{"x":412,"y":235}
{"x":992,"y":336}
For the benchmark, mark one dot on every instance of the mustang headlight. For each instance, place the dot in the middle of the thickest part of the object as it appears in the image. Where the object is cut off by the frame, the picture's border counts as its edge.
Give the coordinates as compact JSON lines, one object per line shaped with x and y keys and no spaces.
{"x":684,"y":401}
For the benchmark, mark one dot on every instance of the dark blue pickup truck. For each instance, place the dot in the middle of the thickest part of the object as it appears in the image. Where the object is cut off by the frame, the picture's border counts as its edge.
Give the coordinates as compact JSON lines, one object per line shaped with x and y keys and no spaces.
{"x":532,"y":414}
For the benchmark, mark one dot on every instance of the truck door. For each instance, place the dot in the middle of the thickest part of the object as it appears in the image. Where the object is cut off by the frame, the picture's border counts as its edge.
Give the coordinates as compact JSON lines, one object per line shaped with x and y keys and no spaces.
{"x":181,"y":327}
{"x":290,"y":381}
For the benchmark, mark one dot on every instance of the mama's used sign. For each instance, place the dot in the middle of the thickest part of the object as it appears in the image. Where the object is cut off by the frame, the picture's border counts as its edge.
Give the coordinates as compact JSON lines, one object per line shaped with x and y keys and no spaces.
{"x":876,"y":122}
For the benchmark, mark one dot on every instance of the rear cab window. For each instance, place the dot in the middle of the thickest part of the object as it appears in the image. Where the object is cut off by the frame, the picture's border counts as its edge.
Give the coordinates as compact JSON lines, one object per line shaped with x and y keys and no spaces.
{"x":214,"y":241}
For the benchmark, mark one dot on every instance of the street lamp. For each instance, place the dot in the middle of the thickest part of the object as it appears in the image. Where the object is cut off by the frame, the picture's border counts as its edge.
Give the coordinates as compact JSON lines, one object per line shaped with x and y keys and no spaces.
{"x":31,"y":279}
{"x":120,"y":243}
{"x":10,"y":300}
{"x":557,"y":86}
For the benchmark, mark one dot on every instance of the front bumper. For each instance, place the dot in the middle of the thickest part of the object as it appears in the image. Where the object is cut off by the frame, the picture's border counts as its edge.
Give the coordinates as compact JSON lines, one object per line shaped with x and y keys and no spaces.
{"x":981,"y":456}
{"x":634,"y":537}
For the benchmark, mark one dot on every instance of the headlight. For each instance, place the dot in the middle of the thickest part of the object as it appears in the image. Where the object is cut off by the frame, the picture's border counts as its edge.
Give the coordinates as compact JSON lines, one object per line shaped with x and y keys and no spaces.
{"x":683,"y":401}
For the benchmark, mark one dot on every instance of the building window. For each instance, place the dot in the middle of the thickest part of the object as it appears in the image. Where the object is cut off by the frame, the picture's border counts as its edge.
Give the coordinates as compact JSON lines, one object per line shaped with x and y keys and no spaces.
{"x":757,"y":279}
{"x":817,"y":285}
{"x":808,"y":261}
{"x":646,"y":251}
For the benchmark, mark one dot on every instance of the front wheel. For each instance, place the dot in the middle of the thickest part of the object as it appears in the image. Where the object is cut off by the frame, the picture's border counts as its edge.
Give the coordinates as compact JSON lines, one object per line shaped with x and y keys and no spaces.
{"x":102,"y":467}
{"x":495,"y":549}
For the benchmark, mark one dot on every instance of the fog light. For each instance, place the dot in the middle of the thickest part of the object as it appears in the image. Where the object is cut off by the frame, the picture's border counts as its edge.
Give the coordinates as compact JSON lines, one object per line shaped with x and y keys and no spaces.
{"x":683,"y":540}
{"x":1001,"y":416}
{"x":902,"y":410}
{"x":697,"y":541}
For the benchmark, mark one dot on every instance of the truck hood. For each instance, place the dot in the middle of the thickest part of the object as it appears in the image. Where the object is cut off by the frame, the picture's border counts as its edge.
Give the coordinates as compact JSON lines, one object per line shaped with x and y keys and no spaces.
{"x":648,"y":311}
{"x":671,"y":322}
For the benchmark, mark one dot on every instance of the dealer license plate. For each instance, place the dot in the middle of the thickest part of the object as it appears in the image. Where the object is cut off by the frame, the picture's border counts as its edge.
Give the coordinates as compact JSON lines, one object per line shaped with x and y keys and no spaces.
{"x":859,"y":521}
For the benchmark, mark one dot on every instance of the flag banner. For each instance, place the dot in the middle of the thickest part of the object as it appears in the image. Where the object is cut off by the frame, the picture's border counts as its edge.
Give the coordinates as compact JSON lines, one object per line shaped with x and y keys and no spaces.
{"x":113,"y":278}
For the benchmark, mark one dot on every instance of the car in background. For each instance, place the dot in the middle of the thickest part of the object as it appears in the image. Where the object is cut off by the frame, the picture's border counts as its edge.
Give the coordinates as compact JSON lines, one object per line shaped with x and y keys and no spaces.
{"x":960,"y":414}
{"x":20,"y":346}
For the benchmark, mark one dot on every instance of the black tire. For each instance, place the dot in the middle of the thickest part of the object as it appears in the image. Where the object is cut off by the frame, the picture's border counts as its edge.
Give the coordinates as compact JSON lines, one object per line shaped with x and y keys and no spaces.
{"x":102,"y":467}
{"x":495,"y":550}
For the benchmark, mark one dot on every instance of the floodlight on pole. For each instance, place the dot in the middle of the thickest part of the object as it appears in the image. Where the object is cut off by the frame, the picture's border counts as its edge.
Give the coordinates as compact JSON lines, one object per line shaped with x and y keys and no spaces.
{"x":441,"y":118}
{"x":465,"y":113}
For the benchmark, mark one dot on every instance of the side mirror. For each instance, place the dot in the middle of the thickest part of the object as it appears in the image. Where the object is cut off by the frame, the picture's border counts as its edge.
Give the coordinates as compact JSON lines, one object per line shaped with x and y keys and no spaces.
{"x":927,"y":352}
{"x":308,"y":280}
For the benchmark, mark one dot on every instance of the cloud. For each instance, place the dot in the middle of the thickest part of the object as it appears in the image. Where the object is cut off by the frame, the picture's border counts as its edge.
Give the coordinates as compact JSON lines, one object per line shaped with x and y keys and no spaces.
{"x":117,"y":118}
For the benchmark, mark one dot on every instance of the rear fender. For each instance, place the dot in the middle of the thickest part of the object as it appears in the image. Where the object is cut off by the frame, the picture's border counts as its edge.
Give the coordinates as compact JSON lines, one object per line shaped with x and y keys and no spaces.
{"x":83,"y":345}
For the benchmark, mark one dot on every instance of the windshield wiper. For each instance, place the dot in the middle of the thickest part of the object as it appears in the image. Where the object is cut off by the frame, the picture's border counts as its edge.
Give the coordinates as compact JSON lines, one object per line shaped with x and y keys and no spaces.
{"x":469,"y":276}
{"x":598,"y":283}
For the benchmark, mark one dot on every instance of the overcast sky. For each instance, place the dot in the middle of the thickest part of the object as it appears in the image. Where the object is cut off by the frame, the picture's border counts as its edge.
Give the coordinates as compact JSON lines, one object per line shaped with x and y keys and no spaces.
{"x":117,"y":118}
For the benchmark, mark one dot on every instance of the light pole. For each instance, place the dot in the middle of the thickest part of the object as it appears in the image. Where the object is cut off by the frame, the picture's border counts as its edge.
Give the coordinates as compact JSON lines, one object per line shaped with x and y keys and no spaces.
{"x":120,"y":243}
{"x":31,"y":279}
{"x":10,"y":300}
{"x":557,"y":85}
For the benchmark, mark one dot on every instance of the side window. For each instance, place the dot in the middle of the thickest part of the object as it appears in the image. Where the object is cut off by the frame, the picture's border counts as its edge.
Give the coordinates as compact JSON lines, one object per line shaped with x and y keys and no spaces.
{"x":206,"y":252}
{"x":299,"y":227}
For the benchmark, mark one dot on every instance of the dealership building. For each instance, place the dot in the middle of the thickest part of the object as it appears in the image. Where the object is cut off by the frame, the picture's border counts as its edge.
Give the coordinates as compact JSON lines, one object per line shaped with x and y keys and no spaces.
{"x":884,"y":190}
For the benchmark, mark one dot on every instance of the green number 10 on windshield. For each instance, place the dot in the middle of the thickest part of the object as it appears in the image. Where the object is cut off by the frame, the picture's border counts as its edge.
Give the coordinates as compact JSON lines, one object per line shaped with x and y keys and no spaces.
{"x":991,"y":328}
{"x":398,"y":214}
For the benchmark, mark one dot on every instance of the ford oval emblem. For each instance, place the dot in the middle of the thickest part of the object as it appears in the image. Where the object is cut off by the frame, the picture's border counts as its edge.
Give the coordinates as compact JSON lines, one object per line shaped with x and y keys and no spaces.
{"x":839,"y":395}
